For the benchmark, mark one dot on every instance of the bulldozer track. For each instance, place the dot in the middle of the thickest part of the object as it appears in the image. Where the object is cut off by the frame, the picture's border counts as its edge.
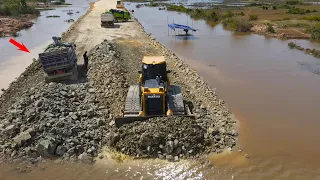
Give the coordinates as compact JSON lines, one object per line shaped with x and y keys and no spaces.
{"x":175,"y":101}
{"x":132,"y":106}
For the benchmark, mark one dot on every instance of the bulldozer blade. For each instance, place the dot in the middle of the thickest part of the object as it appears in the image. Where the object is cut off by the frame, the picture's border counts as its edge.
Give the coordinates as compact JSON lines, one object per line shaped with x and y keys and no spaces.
{"x":119,"y":121}
{"x":125,"y":120}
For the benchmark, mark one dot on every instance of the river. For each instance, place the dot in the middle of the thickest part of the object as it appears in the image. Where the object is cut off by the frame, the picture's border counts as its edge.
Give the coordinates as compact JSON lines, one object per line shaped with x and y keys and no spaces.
{"x":271,"y":89}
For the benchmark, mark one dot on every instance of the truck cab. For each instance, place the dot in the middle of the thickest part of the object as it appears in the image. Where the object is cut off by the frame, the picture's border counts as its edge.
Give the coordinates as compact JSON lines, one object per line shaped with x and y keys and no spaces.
{"x":120,"y":15}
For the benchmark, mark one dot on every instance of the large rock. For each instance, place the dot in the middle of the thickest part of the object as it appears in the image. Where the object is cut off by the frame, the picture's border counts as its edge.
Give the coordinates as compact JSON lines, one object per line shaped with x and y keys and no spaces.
{"x":47,"y":147}
{"x":61,"y":150}
{"x":11,"y":129}
{"x":23,"y":138}
{"x":85,"y":158}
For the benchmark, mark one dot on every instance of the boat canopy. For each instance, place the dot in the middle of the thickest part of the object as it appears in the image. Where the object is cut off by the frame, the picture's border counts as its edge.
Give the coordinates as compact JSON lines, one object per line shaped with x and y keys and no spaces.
{"x":179,"y":26}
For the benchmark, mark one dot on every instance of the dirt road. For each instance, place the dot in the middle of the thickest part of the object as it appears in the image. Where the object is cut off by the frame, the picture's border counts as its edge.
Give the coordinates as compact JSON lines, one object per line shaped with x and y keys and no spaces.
{"x":87,"y":32}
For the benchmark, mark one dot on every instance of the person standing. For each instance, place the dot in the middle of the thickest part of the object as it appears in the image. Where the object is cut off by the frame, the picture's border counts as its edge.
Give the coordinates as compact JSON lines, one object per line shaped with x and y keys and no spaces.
{"x":85,"y":58}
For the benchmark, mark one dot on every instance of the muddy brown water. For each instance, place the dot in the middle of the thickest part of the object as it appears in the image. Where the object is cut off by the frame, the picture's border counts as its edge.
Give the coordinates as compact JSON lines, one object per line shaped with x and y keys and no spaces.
{"x":271,"y":89}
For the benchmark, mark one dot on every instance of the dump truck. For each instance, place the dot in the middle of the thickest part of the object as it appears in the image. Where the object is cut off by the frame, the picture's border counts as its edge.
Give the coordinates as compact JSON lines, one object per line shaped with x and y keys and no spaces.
{"x":107,"y":20}
{"x":59,"y":61}
{"x":120,"y":15}
{"x":154,"y":95}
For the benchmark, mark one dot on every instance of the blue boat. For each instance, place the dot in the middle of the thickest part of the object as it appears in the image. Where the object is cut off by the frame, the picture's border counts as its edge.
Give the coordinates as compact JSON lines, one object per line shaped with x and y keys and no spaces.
{"x":186,"y":29}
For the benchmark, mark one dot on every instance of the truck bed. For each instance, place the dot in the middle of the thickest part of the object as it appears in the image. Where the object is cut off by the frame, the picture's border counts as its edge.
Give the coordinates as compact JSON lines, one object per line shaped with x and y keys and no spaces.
{"x":57,"y":58}
{"x":107,"y":17}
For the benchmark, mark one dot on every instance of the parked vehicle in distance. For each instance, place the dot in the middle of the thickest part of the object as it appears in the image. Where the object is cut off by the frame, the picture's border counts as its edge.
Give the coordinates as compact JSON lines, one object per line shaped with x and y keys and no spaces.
{"x":120,"y":15}
{"x":107,"y":20}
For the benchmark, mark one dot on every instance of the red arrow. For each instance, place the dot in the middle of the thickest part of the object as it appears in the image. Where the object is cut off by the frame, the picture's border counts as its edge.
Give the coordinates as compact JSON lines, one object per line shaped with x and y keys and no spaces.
{"x":21,"y":46}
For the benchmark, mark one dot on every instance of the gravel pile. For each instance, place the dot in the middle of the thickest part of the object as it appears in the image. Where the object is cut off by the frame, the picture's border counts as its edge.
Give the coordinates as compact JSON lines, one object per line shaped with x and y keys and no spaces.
{"x":170,"y":138}
{"x":53,"y":120}
{"x":74,"y":121}
{"x":60,"y":120}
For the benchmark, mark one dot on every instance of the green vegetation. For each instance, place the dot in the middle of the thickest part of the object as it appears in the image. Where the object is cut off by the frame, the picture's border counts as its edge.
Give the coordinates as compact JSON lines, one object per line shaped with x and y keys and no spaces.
{"x":45,"y":9}
{"x":253,"y":17}
{"x":315,"y":53}
{"x":295,"y":10}
{"x":208,"y":15}
{"x":179,"y":8}
{"x":311,"y":18}
{"x":315,"y":32}
{"x":229,"y":19}
{"x":229,"y":14}
{"x":154,"y":4}
{"x":270,"y":28}
{"x":233,"y":18}
{"x":236,"y":24}
{"x":291,"y":45}
{"x":61,"y":2}
{"x":16,"y":8}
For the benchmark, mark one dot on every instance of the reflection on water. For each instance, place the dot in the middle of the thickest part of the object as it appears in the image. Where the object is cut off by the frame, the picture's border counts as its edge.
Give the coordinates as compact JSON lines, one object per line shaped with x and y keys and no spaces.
{"x":186,"y":39}
{"x":138,"y":169}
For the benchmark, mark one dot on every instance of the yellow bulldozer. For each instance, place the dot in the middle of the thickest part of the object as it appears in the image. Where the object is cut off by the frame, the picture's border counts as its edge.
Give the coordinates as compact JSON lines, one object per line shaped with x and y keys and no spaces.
{"x":120,"y":5}
{"x":153,"y":96}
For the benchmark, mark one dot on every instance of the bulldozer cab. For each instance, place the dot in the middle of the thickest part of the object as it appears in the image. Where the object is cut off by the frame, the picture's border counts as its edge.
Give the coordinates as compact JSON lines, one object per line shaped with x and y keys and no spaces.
{"x":154,"y":96}
{"x":119,"y":4}
{"x":154,"y":68}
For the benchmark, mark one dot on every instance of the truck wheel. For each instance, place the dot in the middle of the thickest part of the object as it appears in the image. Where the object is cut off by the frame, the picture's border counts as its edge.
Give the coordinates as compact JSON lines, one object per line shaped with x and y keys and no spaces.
{"x":125,"y":19}
{"x":116,"y":20}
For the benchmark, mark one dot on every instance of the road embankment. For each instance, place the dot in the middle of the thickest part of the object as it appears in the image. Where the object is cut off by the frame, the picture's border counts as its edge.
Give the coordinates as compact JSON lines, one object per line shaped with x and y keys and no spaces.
{"x":74,"y":121}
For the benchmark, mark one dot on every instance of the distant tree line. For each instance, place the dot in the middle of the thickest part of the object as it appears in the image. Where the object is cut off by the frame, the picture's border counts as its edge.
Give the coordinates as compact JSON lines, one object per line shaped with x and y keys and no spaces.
{"x":16,"y":8}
